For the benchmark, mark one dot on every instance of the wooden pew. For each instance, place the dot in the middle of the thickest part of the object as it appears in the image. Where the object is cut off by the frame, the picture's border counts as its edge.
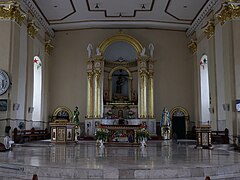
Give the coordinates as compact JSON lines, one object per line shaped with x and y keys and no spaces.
{"x":220,"y":137}
{"x":20,"y":136}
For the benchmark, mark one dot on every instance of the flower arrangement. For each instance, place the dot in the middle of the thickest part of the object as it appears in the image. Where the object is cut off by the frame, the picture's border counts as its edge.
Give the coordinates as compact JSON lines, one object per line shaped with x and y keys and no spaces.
{"x":142,"y":134}
{"x":102,"y":134}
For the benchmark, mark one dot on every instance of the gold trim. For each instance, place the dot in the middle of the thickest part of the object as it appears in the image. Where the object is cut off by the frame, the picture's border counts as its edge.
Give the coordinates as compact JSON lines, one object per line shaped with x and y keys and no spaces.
{"x":210,"y":29}
{"x":228,"y":12}
{"x":11,"y":10}
{"x":48,"y":47}
{"x":192,"y":46}
{"x":185,"y":112}
{"x":117,"y":68}
{"x":62,"y":108}
{"x":32,"y":29}
{"x":121,"y":37}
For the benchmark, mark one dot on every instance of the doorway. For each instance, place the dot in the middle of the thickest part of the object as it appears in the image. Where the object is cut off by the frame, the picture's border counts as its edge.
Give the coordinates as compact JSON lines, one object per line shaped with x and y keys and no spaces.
{"x":179,"y":127}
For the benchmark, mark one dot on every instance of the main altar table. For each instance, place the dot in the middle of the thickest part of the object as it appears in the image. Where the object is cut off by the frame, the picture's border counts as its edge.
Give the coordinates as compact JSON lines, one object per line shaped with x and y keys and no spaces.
{"x":122,"y":134}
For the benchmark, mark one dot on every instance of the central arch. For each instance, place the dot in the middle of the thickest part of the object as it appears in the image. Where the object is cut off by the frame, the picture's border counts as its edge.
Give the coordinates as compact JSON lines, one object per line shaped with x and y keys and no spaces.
{"x":121,"y":37}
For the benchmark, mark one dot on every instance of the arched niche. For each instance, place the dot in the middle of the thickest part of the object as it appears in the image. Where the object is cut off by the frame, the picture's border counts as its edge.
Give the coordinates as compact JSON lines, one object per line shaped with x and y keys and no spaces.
{"x":179,"y":120}
{"x":120,"y":77}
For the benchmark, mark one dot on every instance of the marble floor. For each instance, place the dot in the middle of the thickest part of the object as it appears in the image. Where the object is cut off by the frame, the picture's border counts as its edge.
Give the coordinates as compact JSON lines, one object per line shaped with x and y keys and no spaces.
{"x":83,"y":160}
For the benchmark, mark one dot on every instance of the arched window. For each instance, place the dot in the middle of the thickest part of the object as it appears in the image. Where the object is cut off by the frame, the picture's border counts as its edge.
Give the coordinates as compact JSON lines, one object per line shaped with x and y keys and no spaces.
{"x":205,"y":98}
{"x":37,"y":89}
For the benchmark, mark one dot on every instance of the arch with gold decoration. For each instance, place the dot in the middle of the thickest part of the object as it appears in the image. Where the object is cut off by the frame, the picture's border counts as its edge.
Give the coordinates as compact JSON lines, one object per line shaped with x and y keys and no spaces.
{"x":180,"y":111}
{"x":121,"y":37}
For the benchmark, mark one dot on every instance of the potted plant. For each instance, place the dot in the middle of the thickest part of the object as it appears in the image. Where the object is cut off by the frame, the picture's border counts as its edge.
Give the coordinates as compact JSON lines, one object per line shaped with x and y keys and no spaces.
{"x":142,"y":134}
{"x":101,"y":134}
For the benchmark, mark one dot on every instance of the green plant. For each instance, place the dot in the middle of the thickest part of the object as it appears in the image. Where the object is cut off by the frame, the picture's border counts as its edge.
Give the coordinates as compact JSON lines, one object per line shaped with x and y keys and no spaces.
{"x":102,"y":134}
{"x":142,"y":134}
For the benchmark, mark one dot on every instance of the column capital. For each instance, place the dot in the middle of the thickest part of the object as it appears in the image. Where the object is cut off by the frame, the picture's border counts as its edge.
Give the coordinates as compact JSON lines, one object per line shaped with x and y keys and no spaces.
{"x":11,"y":10}
{"x":32,"y":29}
{"x":192,"y":46}
{"x":229,"y":11}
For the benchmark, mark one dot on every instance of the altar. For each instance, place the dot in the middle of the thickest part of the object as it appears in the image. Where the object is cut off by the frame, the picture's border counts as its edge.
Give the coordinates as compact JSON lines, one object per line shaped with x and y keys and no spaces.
{"x":120,"y":79}
{"x":62,"y":127}
{"x":122,"y":133}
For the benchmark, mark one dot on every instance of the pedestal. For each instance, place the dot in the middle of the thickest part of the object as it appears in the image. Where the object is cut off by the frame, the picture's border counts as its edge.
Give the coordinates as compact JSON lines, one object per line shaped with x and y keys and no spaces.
{"x":62,"y":132}
{"x":203,"y":134}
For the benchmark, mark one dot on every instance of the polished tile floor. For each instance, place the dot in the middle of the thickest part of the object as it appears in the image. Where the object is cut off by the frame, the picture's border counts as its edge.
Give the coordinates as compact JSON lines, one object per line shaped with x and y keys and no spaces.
{"x":84,"y":160}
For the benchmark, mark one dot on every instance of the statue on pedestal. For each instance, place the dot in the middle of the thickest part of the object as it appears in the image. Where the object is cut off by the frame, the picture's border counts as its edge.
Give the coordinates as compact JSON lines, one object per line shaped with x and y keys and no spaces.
{"x":75,"y":115}
{"x":165,"y":124}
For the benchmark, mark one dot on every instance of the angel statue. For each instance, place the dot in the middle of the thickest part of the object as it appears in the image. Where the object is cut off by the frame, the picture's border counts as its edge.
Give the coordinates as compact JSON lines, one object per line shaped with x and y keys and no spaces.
{"x":143,"y":52}
{"x":151,"y":49}
{"x":89,"y":50}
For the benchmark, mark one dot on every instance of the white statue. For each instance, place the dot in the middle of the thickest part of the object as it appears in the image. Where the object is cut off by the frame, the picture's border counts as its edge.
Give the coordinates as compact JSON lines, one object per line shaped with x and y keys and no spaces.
{"x":151,"y":49}
{"x":98,"y":52}
{"x":89,"y":49}
{"x":143,"y":52}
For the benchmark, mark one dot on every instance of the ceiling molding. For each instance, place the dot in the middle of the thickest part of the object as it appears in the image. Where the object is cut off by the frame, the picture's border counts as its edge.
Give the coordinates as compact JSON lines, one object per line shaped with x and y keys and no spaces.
{"x":120,"y":15}
{"x":201,"y":16}
{"x":29,"y":4}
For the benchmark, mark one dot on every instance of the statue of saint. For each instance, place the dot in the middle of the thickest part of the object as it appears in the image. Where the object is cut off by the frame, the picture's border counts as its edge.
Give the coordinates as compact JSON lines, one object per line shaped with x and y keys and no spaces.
{"x":75,"y":115}
{"x":89,"y":50}
{"x":165,"y":121}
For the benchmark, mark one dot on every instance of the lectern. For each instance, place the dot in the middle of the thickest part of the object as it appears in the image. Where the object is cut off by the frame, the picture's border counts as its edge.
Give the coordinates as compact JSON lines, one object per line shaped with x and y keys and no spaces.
{"x":203,"y":134}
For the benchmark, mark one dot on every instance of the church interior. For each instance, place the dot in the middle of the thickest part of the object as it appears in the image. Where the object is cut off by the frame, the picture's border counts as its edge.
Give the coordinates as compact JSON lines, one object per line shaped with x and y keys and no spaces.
{"x":140,"y":89}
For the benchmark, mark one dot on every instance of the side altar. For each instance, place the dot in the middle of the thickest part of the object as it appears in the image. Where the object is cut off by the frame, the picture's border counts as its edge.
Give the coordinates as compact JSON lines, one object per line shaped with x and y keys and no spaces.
{"x":62,"y":127}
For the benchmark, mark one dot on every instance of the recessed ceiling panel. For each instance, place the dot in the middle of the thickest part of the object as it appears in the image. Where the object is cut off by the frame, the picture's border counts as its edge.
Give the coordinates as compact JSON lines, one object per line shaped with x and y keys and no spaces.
{"x":56,"y":10}
{"x":185,"y":10}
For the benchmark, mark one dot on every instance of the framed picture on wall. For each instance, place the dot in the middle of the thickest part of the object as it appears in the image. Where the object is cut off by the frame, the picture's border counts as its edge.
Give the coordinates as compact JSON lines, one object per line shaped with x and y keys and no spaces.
{"x":238,"y":105}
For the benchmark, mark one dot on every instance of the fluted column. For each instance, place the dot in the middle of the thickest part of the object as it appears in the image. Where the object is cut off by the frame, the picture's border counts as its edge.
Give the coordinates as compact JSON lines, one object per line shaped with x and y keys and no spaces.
{"x":90,"y":95}
{"x":143,"y":75}
{"x":150,"y":96}
{"x":97,"y":74}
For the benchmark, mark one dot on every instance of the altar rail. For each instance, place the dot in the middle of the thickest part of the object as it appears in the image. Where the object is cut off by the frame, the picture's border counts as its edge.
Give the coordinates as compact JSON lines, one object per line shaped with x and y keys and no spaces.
{"x":20,"y":136}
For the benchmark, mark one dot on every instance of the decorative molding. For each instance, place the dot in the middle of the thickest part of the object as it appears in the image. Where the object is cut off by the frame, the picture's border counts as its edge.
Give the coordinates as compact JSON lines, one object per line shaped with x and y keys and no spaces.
{"x":209,"y":30}
{"x":11,"y":10}
{"x":48,"y":47}
{"x":230,"y":10}
{"x":204,"y":13}
{"x":29,"y":4}
{"x":192,"y":46}
{"x":32,"y":29}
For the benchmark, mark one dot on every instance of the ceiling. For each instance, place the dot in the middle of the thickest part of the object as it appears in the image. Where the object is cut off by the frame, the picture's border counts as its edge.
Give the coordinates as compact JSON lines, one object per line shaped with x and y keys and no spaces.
{"x":81,"y":14}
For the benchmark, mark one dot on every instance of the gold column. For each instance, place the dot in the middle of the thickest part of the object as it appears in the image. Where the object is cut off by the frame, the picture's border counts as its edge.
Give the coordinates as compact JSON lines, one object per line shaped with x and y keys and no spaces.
{"x":150,"y":96}
{"x":96,"y":94}
{"x":90,"y":95}
{"x":130,"y":88}
{"x":143,"y":75}
{"x":110,"y":88}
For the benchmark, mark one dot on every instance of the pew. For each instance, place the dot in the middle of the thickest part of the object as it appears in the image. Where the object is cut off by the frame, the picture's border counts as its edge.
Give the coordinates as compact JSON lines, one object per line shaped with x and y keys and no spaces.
{"x":20,"y":136}
{"x":220,"y":137}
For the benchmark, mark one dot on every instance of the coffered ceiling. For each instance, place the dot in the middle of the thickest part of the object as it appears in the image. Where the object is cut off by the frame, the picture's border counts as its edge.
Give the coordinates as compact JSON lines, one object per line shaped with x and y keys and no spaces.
{"x":80,"y":14}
